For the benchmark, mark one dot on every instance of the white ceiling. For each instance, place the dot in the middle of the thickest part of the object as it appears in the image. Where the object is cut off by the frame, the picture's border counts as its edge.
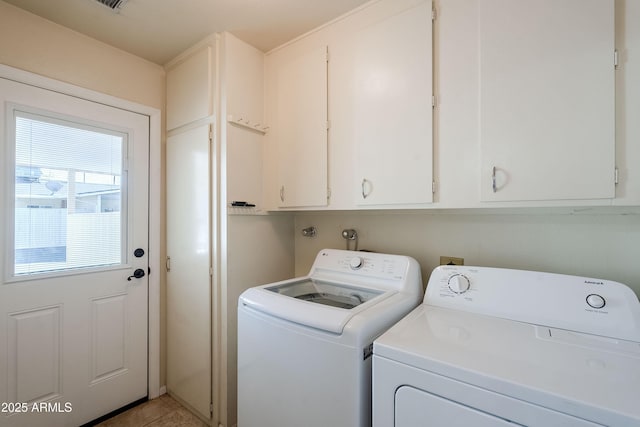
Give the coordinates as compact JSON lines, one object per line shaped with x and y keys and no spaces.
{"x":158,"y":30}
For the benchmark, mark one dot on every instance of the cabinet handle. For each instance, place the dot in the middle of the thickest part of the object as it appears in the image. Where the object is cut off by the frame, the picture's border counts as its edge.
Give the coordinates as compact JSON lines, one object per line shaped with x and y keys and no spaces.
{"x":493,"y":180}
{"x":364,"y":183}
{"x":282,"y":193}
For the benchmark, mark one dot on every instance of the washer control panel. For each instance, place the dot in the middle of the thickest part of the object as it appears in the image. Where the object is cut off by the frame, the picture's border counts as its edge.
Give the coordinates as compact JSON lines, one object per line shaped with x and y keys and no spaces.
{"x":356,"y":262}
{"x":369,"y":268}
{"x":581,"y":304}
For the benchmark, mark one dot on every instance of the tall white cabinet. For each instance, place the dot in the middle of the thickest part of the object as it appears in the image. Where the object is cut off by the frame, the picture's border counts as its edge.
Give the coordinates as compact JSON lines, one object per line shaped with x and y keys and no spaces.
{"x":189,"y":302}
{"x":216,"y":251}
{"x":191,"y":216}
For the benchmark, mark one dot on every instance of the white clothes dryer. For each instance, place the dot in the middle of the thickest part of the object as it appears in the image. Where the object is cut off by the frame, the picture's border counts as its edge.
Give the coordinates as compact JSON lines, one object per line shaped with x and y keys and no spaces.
{"x":305,"y":344}
{"x":495,"y":347}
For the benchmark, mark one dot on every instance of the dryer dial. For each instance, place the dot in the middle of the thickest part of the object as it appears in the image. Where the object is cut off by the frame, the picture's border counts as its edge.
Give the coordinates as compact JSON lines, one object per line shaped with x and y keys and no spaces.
{"x":459,"y":283}
{"x":596,"y":301}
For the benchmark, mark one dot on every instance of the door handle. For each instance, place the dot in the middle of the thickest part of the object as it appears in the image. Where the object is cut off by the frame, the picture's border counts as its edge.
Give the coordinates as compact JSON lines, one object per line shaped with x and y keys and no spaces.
{"x":138,"y":274}
{"x":364,"y":184}
{"x":494,"y":186}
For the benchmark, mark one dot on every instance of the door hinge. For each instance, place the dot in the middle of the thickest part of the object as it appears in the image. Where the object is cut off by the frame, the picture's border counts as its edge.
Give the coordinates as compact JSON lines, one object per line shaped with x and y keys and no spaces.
{"x":434,"y":14}
{"x":433,"y":101}
{"x":328,"y":194}
{"x":211,"y":409}
{"x":433,"y":187}
{"x":211,"y":133}
{"x":328,"y":124}
{"x":327,"y":54}
{"x":615,"y":175}
{"x":211,"y":271}
{"x":615,"y":59}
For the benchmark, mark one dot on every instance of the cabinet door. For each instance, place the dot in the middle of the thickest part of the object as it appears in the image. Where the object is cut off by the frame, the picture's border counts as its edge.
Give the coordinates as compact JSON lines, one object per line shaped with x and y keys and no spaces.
{"x":301,"y":129}
{"x":190,"y":88}
{"x":393,"y":109}
{"x":188,"y":268}
{"x":547,"y":99}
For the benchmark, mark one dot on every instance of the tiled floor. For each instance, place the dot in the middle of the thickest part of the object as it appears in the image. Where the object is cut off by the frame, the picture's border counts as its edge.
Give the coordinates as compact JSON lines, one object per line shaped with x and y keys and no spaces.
{"x":161,"y":412}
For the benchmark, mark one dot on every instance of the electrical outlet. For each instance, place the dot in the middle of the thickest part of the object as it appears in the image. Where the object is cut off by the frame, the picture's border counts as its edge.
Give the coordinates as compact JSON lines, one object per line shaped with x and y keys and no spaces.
{"x":450,"y":260}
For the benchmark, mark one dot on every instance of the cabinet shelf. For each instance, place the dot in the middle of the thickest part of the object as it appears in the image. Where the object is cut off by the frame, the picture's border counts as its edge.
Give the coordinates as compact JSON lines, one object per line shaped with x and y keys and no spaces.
{"x":245,"y":211}
{"x":241,"y":121}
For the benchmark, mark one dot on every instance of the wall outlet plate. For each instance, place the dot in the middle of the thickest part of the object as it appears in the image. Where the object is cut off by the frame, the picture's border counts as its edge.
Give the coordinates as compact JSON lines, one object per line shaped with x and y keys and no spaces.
{"x":451,"y":260}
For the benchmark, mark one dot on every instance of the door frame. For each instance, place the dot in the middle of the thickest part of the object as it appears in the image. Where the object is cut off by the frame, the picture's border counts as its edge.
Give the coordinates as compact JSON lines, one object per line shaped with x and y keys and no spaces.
{"x":155,"y":187}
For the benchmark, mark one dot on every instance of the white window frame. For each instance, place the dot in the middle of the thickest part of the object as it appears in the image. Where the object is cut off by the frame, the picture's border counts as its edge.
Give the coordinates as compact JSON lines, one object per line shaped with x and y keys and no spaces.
{"x":17,"y":110}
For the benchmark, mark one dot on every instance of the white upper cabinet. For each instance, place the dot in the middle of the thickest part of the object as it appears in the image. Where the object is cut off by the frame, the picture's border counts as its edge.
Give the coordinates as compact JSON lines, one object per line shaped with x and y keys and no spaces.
{"x":354,"y":120}
{"x":547,"y":124}
{"x":299,"y":127}
{"x":190,"y":88}
{"x":392,"y":109}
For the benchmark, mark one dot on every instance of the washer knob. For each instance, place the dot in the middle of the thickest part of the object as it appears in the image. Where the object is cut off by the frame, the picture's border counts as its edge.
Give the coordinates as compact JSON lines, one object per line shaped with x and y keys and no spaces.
{"x":596,"y":301}
{"x":459,"y":283}
{"x":356,"y":262}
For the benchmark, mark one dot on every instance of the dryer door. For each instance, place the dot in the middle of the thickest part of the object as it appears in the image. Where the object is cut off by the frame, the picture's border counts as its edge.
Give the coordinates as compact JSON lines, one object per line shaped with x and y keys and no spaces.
{"x":417,"y":408}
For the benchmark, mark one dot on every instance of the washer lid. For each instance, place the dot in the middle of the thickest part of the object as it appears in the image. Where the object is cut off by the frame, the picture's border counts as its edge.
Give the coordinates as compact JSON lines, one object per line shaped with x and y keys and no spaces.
{"x":325,"y":293}
{"x":316,"y":303}
{"x":587,"y":376}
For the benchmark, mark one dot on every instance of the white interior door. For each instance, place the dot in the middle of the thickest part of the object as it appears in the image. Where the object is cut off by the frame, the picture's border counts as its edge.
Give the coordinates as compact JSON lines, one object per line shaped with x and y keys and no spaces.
{"x":74,"y":229}
{"x":189,"y":274}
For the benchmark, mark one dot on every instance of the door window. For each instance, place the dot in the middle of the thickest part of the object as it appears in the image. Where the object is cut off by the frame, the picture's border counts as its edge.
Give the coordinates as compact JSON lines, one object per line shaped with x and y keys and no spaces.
{"x":68,"y":195}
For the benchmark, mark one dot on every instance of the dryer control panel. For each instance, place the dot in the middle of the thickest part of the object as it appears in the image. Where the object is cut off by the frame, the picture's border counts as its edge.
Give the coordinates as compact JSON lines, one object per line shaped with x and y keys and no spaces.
{"x":581,"y":304}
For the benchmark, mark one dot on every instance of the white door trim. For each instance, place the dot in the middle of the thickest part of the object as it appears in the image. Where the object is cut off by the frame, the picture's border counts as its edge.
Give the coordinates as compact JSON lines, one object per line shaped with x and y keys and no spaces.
{"x":154,"y":114}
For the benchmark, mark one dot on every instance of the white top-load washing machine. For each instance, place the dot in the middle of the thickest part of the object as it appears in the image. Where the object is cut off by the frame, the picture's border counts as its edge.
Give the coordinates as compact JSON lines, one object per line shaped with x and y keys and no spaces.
{"x":305,"y":344}
{"x":496,"y":347}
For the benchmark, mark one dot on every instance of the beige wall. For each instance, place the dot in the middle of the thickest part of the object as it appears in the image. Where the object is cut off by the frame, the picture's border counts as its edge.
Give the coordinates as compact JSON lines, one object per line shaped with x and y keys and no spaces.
{"x":592,"y":243}
{"x":31,"y":43}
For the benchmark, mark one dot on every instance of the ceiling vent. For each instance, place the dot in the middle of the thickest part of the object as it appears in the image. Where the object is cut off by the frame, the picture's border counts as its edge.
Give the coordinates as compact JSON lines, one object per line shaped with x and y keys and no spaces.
{"x":114,"y":5}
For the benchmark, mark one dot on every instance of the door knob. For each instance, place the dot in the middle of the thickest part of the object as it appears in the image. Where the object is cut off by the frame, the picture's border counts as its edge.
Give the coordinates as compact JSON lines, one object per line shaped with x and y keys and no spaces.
{"x":138,"y":274}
